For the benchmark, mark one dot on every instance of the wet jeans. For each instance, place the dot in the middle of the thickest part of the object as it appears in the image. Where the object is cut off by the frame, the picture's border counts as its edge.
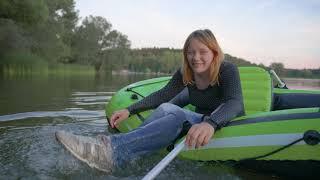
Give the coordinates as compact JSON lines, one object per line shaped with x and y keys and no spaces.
{"x":160,"y":129}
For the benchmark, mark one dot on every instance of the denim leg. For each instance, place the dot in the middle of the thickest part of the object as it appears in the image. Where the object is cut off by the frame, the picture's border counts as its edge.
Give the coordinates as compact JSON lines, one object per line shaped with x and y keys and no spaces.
{"x":192,"y":117}
{"x":167,"y":108}
{"x":157,"y":132}
{"x":158,"y":113}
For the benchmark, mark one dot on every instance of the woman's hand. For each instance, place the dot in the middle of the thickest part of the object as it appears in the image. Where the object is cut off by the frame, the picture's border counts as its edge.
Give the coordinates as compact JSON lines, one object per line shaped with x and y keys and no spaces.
{"x":118,"y":116}
{"x":199,"y":135}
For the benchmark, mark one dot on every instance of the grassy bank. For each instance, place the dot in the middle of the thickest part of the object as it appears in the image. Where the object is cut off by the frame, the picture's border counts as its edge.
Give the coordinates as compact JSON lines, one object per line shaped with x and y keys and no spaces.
{"x":46,"y":70}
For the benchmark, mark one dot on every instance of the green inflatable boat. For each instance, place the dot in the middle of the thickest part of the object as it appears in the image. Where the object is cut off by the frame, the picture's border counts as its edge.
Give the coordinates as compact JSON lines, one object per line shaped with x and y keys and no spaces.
{"x":280,"y":124}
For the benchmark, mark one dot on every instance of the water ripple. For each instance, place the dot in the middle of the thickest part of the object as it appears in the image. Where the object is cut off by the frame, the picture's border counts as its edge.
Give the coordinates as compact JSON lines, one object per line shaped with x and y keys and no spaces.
{"x":92,"y":93}
{"x":73,"y":113}
{"x":91,"y":98}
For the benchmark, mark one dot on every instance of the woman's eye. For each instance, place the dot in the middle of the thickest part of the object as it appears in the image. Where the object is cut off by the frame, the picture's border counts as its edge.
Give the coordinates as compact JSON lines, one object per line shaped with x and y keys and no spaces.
{"x":189,"y":53}
{"x":203,"y":52}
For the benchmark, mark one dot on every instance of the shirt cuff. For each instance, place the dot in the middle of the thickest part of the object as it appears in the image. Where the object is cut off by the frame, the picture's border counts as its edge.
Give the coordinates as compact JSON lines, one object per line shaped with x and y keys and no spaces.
{"x":207,"y":119}
{"x":130,"y":111}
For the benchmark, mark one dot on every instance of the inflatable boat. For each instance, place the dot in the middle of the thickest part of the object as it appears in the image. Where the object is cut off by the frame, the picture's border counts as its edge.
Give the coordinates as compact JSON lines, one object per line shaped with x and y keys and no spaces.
{"x":280,"y":124}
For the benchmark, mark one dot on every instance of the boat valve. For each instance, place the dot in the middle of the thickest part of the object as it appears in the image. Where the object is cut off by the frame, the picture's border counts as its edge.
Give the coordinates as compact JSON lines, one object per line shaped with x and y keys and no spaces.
{"x":134,"y":97}
{"x":311,"y":137}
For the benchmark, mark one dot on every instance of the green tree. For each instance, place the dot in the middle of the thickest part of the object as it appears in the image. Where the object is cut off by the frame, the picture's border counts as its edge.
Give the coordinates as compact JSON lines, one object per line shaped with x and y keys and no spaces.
{"x":15,"y":42}
{"x":12,"y":39}
{"x":42,"y":28}
{"x":26,"y":12}
{"x":94,"y":41}
{"x":89,"y":39}
{"x":53,"y":38}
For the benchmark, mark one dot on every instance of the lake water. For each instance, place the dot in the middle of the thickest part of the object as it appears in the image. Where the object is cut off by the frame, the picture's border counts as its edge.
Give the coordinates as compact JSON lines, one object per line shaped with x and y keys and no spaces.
{"x":298,"y":83}
{"x":32,"y":108}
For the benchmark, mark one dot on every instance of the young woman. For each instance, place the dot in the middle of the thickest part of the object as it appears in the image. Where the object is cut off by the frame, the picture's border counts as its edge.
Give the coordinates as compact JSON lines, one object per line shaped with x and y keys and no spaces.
{"x":210,"y":84}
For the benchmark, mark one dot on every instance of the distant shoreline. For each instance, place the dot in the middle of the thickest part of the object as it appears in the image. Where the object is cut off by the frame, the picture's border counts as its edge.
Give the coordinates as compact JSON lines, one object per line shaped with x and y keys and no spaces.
{"x":300,"y":78}
{"x":127,"y":72}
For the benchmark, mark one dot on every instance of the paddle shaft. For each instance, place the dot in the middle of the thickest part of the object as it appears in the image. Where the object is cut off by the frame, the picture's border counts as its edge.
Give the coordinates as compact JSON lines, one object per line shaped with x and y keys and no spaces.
{"x":281,"y":84}
{"x":165,"y":161}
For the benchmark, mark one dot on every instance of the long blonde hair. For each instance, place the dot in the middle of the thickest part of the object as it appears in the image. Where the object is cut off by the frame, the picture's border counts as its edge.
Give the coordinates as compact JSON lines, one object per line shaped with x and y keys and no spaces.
{"x":207,"y":38}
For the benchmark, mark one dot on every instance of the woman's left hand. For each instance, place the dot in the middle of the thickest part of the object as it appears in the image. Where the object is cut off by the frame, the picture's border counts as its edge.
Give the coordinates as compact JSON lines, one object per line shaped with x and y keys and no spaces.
{"x":199,"y":135}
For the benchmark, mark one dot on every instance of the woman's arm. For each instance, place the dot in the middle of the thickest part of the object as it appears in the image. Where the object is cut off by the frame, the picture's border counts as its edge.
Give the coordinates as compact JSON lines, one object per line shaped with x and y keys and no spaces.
{"x":174,"y":86}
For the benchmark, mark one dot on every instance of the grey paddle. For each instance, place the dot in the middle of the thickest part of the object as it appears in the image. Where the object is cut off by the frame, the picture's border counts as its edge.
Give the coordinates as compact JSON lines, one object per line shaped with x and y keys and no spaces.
{"x":281,"y":84}
{"x":165,"y":161}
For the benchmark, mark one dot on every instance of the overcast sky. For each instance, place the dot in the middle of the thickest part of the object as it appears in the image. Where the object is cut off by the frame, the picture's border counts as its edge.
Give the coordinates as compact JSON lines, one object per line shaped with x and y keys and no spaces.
{"x":286,"y":31}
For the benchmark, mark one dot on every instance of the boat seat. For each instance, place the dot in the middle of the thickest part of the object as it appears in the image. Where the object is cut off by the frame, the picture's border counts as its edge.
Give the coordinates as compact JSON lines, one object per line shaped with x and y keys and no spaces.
{"x":257,"y":88}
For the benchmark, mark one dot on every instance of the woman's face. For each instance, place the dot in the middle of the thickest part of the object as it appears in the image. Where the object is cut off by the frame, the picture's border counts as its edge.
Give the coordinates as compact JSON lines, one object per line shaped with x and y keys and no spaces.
{"x":199,"y":57}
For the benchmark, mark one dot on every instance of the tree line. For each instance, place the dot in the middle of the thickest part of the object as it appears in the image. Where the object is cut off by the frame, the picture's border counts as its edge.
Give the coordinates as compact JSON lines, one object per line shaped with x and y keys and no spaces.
{"x":294,"y":73}
{"x":48,"y":32}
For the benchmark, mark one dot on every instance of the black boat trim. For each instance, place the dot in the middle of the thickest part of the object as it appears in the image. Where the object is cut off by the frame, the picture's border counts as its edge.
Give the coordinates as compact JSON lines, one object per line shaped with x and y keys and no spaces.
{"x":279,"y":117}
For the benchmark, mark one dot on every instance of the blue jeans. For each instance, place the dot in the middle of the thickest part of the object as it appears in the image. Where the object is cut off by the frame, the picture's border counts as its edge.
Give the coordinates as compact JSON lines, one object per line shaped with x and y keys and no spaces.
{"x":158,"y":131}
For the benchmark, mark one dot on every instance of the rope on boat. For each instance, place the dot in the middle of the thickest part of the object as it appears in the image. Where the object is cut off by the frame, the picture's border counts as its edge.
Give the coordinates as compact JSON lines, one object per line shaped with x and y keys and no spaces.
{"x":311,"y":137}
{"x":130,"y":89}
{"x":135,"y":93}
{"x":155,"y":82}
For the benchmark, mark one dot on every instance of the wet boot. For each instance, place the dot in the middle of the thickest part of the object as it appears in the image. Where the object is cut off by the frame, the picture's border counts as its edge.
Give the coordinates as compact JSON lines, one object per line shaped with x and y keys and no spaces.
{"x":96,"y":152}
